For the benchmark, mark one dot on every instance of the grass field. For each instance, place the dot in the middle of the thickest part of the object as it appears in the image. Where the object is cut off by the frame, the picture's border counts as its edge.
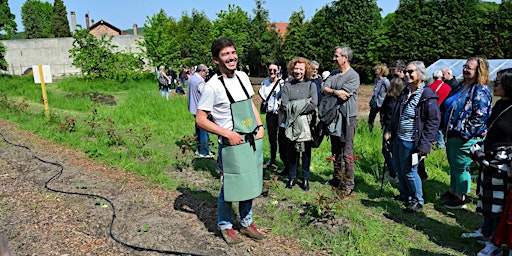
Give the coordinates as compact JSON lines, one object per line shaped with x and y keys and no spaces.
{"x":130,"y":126}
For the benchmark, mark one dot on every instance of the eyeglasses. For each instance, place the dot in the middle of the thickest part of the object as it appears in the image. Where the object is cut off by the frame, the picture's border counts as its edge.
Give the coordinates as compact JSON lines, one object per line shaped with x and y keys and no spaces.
{"x":410,"y":71}
{"x":468,"y":67}
{"x":338,"y":56}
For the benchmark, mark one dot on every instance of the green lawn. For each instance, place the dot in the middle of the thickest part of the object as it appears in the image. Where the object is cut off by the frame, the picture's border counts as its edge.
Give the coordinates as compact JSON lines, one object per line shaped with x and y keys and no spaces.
{"x":148,"y":135}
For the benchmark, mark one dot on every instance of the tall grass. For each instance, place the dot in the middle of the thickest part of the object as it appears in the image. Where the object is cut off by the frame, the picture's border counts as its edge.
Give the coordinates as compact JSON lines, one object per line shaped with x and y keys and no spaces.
{"x":367,"y":224}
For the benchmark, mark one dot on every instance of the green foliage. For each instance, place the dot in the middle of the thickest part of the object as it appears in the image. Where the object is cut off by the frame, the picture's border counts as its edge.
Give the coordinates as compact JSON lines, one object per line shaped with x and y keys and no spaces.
{"x":98,"y":59}
{"x":7,"y":23}
{"x":3,"y":62}
{"x":158,"y":41}
{"x":36,"y":17}
{"x":60,"y":23}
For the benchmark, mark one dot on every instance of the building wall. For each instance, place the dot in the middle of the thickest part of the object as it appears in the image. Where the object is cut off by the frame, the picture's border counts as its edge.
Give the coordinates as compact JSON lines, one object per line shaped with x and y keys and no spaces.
{"x":24,"y":53}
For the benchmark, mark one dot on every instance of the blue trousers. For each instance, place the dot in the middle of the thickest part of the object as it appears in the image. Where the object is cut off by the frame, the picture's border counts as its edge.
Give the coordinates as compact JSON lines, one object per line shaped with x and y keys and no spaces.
{"x":410,"y":182}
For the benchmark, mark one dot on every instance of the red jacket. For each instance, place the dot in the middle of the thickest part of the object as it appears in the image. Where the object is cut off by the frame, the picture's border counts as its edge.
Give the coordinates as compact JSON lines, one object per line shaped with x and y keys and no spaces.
{"x":503,"y":234}
{"x":442,"y":90}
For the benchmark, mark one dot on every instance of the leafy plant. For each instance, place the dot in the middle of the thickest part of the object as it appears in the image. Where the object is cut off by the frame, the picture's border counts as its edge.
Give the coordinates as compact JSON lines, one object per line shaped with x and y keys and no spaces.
{"x":144,"y":228}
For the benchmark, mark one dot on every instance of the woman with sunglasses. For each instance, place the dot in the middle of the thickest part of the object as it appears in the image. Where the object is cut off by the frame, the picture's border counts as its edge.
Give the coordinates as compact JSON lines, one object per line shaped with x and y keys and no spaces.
{"x":270,"y":92}
{"x":413,"y":128}
{"x":465,"y":110}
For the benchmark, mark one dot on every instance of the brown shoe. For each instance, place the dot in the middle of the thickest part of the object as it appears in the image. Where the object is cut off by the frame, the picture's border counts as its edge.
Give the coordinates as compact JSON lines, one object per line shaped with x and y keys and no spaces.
{"x":230,"y":237}
{"x":252,"y":232}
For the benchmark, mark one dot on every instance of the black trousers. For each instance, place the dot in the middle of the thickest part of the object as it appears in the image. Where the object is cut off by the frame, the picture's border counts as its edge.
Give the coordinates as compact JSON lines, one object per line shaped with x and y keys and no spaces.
{"x":272,"y":129}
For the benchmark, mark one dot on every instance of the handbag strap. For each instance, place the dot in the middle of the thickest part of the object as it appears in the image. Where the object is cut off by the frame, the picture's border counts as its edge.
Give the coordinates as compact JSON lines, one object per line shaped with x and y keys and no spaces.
{"x":439,"y":87}
{"x":273,"y":88}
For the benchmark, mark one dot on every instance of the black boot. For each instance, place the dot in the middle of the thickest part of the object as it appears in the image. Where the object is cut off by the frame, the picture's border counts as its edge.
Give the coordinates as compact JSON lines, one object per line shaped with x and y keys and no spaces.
{"x":290,"y":183}
{"x":305,"y":184}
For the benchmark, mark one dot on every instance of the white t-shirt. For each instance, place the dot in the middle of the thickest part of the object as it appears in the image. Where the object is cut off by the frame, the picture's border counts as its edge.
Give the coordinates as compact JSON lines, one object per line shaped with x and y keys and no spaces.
{"x":215,"y":99}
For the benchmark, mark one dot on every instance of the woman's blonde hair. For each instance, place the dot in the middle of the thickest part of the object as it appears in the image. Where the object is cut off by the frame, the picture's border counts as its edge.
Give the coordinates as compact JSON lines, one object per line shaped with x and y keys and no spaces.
{"x":384,"y":70}
{"x":309,"y":70}
{"x":482,"y":70}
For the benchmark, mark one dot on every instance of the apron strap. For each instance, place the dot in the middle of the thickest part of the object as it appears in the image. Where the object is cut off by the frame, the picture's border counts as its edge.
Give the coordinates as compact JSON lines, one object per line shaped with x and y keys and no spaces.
{"x":221,"y":78}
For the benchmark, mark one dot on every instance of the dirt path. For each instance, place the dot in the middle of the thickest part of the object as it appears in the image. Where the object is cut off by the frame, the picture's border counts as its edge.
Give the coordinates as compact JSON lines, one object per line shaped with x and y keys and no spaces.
{"x":36,"y":221}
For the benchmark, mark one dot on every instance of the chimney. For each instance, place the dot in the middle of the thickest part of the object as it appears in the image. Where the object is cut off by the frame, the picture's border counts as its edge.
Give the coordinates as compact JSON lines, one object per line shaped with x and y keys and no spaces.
{"x":73,"y":22}
{"x":135,"y":29}
{"x":87,"y":20}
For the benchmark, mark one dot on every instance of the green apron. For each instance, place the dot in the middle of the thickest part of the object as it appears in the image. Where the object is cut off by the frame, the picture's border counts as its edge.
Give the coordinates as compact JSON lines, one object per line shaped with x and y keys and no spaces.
{"x":242,"y":164}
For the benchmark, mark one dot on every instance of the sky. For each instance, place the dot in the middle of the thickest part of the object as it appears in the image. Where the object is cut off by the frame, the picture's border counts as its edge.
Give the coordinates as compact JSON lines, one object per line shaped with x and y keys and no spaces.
{"x":124,"y":13}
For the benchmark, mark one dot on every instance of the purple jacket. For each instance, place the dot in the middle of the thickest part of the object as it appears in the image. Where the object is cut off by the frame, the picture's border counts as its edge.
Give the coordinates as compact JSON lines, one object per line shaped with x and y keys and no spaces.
{"x":427,"y":118}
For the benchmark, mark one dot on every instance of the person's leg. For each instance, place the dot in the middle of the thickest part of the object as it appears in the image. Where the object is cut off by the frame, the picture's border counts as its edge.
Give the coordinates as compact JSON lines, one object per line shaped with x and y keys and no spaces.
{"x":461,"y":162}
{"x":348,"y":154}
{"x":387,"y":147}
{"x":282,"y":142}
{"x":451,"y":149}
{"x":336,"y":152}
{"x":272,"y":127}
{"x":412,"y":183}
{"x":197,"y":140}
{"x":204,"y":148}
{"x":371,"y":117}
{"x":292,"y":157}
{"x":401,"y":162}
{"x":440,"y":139}
{"x":306,"y":161}
{"x":245,"y":210}
{"x":224,"y":212}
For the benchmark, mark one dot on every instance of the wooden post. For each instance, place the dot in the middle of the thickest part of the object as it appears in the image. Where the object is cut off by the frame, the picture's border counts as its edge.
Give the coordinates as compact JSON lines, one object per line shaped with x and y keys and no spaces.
{"x":45,"y":98}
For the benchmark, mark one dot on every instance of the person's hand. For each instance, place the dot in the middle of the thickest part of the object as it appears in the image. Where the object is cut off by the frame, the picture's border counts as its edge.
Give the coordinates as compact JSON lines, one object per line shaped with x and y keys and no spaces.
{"x":260,"y":133}
{"x":234,"y":138}
{"x":422,"y":153}
{"x":387,"y":136}
{"x":343,"y":94}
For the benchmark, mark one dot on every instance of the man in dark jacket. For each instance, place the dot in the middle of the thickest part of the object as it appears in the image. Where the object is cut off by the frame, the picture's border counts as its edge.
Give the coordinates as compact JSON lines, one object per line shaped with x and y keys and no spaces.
{"x":448,"y":77}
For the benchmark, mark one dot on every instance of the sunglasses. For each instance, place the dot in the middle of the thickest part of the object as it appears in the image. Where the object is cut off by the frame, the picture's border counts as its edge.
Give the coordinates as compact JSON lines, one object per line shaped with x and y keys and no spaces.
{"x":410,"y":71}
{"x":468,"y":67}
{"x":272,"y":70}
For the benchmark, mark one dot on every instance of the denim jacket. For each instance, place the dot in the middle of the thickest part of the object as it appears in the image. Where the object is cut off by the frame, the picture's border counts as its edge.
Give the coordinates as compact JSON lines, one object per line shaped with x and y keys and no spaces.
{"x":426,"y":121}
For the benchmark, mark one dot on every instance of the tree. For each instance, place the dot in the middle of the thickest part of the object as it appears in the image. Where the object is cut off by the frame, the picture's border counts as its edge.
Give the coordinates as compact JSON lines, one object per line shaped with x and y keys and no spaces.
{"x":60,"y":23}
{"x":293,"y":45}
{"x":97,"y":58}
{"x":3,"y":62}
{"x":160,"y":44}
{"x":265,"y":41}
{"x":234,"y":23}
{"x":36,"y":17}
{"x":7,"y":24}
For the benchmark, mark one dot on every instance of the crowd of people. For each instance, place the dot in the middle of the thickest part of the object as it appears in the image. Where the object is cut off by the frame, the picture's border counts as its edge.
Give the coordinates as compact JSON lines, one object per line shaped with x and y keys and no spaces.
{"x":415,"y":117}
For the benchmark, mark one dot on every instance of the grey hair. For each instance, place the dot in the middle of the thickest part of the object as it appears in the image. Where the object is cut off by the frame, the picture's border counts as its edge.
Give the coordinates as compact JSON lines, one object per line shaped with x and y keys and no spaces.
{"x":346,"y":51}
{"x":438,"y":74}
{"x":448,"y":70}
{"x":314,"y":62}
{"x":201,"y":67}
{"x":420,"y":67}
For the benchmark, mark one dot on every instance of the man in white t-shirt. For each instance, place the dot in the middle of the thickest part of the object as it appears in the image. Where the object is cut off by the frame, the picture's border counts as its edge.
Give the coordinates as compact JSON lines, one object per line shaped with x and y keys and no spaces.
{"x":216,"y":101}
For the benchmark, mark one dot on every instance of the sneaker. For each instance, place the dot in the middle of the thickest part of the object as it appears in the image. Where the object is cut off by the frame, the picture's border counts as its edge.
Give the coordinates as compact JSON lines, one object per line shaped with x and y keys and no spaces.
{"x":230,"y":237}
{"x":414,"y":206}
{"x":483,"y":240}
{"x":252,"y":232}
{"x":455,"y":204}
{"x":477,"y":233}
{"x":209,"y":155}
{"x":448,"y":196}
{"x":491,"y":250}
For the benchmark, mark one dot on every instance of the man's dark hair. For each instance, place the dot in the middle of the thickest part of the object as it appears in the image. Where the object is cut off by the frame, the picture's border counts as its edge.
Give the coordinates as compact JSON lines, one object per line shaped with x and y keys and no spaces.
{"x":220,"y":44}
{"x":506,"y":81}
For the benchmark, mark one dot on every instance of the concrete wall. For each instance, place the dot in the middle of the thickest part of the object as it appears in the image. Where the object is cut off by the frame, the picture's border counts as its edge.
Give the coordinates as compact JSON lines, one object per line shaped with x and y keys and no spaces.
{"x":24,"y":53}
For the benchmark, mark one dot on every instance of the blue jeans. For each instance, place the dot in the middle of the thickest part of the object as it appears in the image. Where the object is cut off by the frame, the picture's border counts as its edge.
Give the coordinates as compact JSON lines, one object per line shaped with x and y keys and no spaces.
{"x":202,"y":140}
{"x":225,"y":209}
{"x":440,"y":139}
{"x":410,"y":182}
